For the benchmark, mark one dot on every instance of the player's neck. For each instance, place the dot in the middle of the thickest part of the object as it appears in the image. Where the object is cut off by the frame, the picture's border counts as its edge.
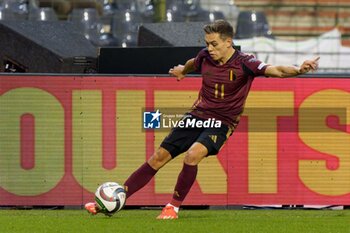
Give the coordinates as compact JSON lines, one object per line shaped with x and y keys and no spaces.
{"x":229,"y":54}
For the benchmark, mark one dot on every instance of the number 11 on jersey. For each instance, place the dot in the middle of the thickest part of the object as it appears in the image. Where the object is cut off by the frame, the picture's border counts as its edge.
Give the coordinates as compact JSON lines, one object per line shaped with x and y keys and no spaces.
{"x":219,"y":91}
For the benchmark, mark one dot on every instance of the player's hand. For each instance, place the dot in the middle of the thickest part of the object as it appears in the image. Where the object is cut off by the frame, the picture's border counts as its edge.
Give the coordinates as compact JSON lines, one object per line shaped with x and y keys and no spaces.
{"x":177,"y":72}
{"x":309,"y":65}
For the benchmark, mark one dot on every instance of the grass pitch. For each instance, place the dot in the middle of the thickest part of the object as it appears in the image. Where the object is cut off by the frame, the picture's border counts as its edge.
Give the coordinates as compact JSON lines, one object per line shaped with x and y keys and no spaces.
{"x":193,"y":221}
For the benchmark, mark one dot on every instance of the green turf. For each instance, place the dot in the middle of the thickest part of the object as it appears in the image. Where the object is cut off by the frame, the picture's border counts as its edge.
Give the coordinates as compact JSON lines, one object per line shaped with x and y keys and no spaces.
{"x":194,"y":221}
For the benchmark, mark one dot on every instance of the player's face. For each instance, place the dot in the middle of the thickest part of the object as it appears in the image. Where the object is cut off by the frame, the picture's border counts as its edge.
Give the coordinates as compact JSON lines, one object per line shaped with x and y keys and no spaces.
{"x":217,"y":47}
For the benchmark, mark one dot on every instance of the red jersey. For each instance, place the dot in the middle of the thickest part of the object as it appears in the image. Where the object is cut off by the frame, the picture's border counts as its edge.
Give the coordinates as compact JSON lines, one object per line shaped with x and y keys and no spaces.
{"x":225,"y":87}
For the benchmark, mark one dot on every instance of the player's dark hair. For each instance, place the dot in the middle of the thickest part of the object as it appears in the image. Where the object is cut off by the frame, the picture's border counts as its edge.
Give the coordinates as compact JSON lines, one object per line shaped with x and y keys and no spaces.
{"x":220,"y":26}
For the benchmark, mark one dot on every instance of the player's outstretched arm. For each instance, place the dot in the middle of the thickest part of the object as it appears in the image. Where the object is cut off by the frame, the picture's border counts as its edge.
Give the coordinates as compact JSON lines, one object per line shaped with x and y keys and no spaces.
{"x":292,"y":71}
{"x":180,"y":71}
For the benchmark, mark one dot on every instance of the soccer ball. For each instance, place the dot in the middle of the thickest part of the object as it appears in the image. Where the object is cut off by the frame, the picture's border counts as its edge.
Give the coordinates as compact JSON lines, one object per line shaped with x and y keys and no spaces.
{"x":110,"y":197}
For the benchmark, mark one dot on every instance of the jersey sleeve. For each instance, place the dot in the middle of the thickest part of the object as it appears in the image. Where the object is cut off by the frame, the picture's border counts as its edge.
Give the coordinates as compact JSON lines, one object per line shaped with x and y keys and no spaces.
{"x":253,"y":66}
{"x":199,"y":59}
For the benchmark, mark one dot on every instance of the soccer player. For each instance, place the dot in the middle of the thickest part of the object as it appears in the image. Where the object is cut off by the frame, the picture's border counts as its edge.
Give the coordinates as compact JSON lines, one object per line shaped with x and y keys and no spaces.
{"x":227,"y":75}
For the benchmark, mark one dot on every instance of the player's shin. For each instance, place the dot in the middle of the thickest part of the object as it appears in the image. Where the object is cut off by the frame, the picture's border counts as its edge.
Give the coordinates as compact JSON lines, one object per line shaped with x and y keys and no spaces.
{"x":139,"y":179}
{"x":184,"y":183}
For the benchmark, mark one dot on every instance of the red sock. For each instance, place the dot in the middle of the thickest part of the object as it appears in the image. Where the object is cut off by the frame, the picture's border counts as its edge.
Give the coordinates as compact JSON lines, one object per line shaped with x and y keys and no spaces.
{"x":139,"y":179}
{"x":184,"y":183}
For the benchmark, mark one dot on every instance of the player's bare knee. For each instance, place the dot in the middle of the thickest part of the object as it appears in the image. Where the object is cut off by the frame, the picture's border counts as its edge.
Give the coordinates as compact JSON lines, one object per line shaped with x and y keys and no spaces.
{"x":159,"y":158}
{"x":192,"y":157}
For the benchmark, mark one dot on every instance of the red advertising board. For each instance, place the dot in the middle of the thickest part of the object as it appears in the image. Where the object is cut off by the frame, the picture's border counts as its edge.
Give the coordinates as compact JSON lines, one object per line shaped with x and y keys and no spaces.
{"x":60,"y":137}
